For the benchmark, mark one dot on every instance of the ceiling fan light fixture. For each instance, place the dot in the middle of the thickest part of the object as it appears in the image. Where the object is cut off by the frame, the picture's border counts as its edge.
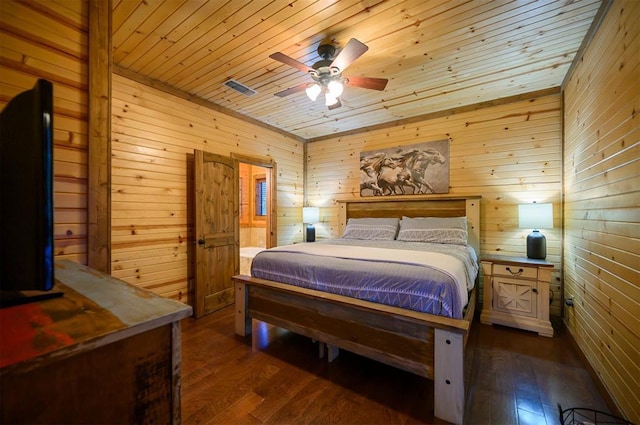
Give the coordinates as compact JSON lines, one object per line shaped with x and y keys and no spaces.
{"x":330,"y":99}
{"x":335,"y":87}
{"x":313,"y":91}
{"x":327,"y":73}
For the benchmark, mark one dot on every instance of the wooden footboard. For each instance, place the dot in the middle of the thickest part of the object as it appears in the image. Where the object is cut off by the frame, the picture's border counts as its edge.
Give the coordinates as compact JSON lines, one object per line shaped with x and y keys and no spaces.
{"x":424,"y":344}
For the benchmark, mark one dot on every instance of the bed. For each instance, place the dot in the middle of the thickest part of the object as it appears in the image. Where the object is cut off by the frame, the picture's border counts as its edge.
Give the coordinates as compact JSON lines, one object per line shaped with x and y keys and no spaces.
{"x":426,"y":344}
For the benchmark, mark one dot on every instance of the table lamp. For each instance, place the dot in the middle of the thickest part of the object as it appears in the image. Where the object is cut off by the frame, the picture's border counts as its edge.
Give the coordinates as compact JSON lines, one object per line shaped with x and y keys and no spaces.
{"x":536,"y":216}
{"x":310,"y":215}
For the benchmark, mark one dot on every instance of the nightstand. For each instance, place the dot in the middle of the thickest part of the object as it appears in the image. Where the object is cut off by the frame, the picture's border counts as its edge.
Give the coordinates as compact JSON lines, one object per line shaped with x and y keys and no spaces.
{"x":516,"y":293}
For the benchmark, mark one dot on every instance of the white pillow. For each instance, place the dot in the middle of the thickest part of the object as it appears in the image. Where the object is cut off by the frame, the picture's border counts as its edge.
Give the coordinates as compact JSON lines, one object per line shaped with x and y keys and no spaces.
{"x":371,"y":228}
{"x":448,"y":230}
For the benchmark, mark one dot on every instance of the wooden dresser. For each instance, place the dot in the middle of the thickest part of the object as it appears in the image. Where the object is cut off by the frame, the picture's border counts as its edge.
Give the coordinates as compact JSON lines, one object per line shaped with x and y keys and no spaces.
{"x":104,"y":352}
{"x":516,"y":293}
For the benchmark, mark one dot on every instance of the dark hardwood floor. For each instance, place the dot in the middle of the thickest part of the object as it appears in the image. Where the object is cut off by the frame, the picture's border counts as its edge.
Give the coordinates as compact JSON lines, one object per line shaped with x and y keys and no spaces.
{"x":515,"y":377}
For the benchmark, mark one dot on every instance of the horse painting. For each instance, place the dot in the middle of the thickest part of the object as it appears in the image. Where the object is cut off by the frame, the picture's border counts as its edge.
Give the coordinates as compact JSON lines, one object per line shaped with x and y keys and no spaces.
{"x":419,"y":169}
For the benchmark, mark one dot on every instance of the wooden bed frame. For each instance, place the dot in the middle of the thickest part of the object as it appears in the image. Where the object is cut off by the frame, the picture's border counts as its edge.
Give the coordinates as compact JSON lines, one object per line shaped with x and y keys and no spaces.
{"x":425,"y":344}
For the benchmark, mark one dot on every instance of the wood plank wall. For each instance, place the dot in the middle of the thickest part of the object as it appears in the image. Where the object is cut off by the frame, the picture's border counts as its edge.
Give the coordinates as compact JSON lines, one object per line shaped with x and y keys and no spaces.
{"x":44,"y":39}
{"x":153,"y":137}
{"x":602,"y":204}
{"x":509,"y":154}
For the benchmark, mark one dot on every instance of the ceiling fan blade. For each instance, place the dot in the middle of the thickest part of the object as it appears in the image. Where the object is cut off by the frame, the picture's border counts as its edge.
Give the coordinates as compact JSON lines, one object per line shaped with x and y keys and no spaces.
{"x":335,"y":105}
{"x":352,"y":51}
{"x":367,"y":82}
{"x":281,"y":57}
{"x":291,"y":90}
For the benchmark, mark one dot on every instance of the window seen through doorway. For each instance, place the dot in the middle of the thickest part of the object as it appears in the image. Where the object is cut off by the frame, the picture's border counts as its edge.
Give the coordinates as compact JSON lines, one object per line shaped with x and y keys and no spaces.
{"x":261,"y":197}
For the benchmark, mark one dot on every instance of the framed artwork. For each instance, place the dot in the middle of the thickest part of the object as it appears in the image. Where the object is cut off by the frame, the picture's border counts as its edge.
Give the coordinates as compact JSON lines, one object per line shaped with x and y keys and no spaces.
{"x":405,"y":170}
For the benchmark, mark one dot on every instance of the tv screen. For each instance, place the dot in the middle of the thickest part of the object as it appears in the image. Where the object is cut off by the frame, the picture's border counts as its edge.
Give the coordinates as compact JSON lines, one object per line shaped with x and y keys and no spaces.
{"x":26,"y":191}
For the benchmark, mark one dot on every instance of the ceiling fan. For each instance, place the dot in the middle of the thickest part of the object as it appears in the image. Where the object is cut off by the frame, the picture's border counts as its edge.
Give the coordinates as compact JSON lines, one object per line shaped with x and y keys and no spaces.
{"x":327,"y":73}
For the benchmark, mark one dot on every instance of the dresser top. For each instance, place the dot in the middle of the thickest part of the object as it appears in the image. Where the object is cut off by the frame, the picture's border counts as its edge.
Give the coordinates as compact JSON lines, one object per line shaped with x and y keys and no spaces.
{"x":95,"y":309}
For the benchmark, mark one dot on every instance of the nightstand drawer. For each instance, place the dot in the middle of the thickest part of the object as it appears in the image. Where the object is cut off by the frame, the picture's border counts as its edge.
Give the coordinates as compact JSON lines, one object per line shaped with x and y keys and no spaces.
{"x":515,"y":271}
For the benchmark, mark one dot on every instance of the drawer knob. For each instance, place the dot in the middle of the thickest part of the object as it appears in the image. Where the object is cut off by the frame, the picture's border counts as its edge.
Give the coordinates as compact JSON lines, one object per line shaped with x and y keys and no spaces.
{"x":519,"y":272}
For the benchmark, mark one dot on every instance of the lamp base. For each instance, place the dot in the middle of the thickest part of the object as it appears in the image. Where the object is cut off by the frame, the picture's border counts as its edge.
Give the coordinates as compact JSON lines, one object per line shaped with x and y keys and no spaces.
{"x":536,"y":246}
{"x":311,"y":233}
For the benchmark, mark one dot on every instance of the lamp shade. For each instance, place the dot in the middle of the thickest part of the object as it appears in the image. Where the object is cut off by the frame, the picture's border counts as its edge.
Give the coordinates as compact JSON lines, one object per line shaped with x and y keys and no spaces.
{"x":335,"y":88}
{"x":313,"y":91}
{"x":535,"y":216}
{"x":310,"y":215}
{"x":330,"y":99}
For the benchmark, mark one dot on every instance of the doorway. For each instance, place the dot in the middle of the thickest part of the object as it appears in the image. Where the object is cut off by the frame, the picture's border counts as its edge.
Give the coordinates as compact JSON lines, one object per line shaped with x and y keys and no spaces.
{"x":257,"y":208}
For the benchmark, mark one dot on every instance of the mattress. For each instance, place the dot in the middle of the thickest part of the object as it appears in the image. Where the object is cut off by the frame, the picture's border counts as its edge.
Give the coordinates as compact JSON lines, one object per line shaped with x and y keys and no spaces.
{"x":426,"y":277}
{"x":250,"y":251}
{"x":246,"y":258}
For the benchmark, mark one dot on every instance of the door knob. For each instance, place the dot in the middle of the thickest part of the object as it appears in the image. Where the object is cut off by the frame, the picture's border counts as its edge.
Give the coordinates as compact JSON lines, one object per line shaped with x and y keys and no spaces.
{"x":200,"y":241}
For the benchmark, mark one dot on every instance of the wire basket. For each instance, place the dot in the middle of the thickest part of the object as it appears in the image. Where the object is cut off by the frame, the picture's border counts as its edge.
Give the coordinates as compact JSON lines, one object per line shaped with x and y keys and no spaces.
{"x":583,"y":416}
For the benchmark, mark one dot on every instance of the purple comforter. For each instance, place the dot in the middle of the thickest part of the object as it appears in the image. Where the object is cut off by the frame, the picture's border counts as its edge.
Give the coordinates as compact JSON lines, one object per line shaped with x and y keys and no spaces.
{"x":415,"y":287}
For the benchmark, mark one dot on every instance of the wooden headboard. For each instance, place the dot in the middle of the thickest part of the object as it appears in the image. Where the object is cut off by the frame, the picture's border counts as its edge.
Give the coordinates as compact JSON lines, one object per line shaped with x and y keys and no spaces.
{"x":416,"y":206}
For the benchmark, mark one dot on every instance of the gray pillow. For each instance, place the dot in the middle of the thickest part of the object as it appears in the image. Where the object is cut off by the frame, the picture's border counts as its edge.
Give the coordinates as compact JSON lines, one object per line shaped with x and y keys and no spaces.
{"x":448,"y":230}
{"x":371,"y":228}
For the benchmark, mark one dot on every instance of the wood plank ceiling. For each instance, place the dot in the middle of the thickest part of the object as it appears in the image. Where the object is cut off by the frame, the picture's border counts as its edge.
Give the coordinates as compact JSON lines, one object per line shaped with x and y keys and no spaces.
{"x":437,"y":54}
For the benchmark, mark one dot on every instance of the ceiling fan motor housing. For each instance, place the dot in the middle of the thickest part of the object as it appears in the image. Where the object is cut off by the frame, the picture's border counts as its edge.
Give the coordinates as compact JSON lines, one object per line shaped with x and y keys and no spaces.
{"x":326,"y":50}
{"x":323,"y":71}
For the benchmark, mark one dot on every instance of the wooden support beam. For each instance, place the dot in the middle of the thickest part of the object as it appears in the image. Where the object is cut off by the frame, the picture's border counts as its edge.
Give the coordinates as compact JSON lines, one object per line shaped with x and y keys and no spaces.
{"x":99,"y":185}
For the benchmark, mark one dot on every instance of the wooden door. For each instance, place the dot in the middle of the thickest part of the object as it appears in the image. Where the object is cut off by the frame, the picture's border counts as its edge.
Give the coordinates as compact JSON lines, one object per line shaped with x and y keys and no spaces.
{"x":217,"y":231}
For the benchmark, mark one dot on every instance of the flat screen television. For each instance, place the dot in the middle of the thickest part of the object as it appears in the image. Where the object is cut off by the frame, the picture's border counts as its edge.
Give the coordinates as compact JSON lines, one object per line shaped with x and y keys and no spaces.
{"x":26,"y":192}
